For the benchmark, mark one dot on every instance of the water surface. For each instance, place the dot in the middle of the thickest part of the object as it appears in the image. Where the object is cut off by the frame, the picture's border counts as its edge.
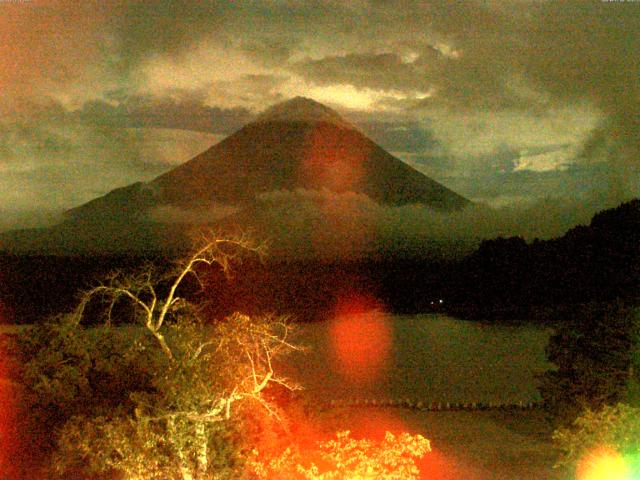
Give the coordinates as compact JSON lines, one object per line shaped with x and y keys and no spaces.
{"x":432,"y":358}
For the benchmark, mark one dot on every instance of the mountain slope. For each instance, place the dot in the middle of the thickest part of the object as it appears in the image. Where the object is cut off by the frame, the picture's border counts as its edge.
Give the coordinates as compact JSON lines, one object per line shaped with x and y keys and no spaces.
{"x":299,"y":144}
{"x":298,"y":148}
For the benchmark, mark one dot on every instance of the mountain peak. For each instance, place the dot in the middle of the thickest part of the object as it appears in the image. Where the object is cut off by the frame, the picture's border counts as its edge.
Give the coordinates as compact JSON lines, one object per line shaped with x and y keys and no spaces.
{"x":303,"y":109}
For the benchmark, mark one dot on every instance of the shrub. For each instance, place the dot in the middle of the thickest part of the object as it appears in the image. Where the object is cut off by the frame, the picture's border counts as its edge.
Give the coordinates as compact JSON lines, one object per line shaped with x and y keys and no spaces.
{"x":594,"y":348}
{"x":606,"y":438}
{"x":346,"y":458}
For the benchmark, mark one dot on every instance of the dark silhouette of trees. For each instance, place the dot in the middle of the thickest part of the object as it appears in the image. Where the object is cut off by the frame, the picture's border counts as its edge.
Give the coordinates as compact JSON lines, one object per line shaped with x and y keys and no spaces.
{"x":594,"y":350}
{"x":599,"y":262}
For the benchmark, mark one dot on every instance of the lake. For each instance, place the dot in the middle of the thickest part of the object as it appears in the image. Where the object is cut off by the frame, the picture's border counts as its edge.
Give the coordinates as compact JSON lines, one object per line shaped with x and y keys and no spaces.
{"x":429,"y":358}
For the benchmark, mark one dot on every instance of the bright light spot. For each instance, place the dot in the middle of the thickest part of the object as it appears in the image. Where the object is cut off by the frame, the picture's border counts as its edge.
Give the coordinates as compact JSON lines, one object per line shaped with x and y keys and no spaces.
{"x":360,"y":339}
{"x":547,"y":161}
{"x":603,"y":464}
{"x":410,"y":57}
{"x":345,"y":95}
{"x":447,"y":50}
{"x":422,"y":95}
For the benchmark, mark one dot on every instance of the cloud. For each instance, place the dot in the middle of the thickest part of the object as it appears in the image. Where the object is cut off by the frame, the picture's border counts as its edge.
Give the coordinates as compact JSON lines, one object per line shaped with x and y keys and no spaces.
{"x":180,"y":110}
{"x":11,"y":219}
{"x":269,"y":51}
{"x":558,"y":159}
{"x":305,"y":223}
{"x":173,"y":214}
{"x":456,"y":80}
{"x":45,"y":43}
{"x":60,"y":164}
{"x":382,"y":71}
{"x":401,"y":135}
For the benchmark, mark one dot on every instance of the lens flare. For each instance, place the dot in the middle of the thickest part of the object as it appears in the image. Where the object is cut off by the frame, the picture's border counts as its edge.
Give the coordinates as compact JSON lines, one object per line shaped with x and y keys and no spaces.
{"x":604,"y":463}
{"x":8,"y":427}
{"x":360,"y":339}
{"x":333,"y":160}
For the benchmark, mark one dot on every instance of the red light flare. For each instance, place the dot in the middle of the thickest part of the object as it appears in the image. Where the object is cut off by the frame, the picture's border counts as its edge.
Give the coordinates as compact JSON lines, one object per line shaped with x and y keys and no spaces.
{"x":9,"y":437}
{"x":360,"y":337}
{"x":334,"y":159}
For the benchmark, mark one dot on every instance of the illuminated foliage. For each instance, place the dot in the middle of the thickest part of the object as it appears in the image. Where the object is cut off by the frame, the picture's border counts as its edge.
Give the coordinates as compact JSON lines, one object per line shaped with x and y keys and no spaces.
{"x":157,"y":399}
{"x":346,"y":458}
{"x":603,"y":444}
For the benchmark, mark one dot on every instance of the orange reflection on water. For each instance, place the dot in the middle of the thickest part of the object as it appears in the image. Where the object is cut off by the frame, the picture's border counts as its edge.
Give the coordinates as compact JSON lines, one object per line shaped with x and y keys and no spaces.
{"x":360,"y":339}
{"x":603,"y":463}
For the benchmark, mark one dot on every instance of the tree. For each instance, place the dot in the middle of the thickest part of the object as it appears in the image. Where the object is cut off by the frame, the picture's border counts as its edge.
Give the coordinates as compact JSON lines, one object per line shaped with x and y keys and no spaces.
{"x":607,"y":439}
{"x":156,"y":398}
{"x":595,"y":349}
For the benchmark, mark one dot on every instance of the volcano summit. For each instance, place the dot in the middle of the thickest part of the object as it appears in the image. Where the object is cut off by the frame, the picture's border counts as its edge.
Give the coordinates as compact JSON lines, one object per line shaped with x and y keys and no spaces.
{"x":298,"y":144}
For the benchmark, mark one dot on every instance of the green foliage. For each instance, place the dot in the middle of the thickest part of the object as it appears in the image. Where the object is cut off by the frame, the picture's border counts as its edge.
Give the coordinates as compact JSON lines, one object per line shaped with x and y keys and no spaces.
{"x":118,"y":403}
{"x":594,"y":350}
{"x":345,"y":458}
{"x":616,"y":428}
{"x":71,"y":370}
{"x":157,"y":399}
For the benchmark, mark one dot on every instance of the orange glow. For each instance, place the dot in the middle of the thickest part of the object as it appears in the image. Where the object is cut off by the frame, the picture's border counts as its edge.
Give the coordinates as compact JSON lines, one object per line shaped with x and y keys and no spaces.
{"x":435,"y":465}
{"x":8,"y":427}
{"x":376,"y":423}
{"x":360,"y":339}
{"x":9,"y":434}
{"x":332,"y":161}
{"x":337,"y":161}
{"x":603,"y":464}
{"x":42,"y":42}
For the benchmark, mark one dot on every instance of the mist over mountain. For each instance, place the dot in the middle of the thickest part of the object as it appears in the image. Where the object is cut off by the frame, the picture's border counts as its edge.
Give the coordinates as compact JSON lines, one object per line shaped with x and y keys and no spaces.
{"x":298,"y":144}
{"x":306,"y":181}
{"x":499,"y":278}
{"x":297,"y":151}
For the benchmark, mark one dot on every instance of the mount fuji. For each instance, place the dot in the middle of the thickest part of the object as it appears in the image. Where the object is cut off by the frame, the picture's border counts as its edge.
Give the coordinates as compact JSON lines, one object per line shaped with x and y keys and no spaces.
{"x":297,"y":145}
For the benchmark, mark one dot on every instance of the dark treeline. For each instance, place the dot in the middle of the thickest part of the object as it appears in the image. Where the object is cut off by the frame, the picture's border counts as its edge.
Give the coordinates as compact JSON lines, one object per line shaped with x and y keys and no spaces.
{"x":595,"y":263}
{"x":34,"y":287}
{"x":505,"y":278}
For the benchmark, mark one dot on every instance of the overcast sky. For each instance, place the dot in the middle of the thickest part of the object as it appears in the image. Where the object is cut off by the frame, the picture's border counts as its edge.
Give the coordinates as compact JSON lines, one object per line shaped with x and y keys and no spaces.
{"x":503,"y":101}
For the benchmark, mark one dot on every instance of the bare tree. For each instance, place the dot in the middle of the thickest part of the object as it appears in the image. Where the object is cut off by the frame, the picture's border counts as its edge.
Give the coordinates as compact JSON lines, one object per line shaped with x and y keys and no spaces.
{"x":189,"y":373}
